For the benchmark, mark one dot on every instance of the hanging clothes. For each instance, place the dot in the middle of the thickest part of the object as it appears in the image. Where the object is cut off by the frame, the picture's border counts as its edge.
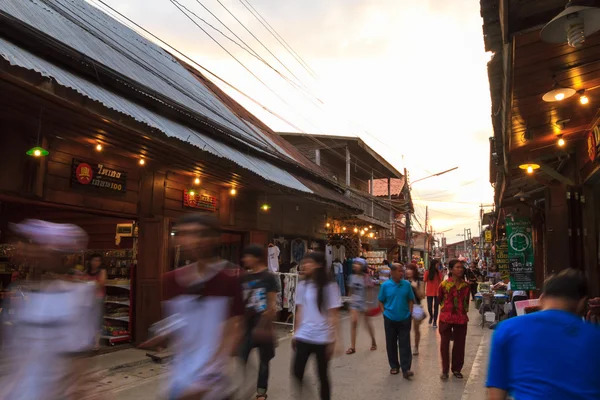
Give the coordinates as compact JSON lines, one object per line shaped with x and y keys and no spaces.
{"x":338,"y":271}
{"x":329,"y":255}
{"x":273,"y":258}
{"x":339,"y":252}
{"x":299,"y":247}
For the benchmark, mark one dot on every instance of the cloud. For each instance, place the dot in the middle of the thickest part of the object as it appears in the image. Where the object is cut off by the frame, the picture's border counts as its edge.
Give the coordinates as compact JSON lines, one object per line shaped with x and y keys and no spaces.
{"x":409,"y":77}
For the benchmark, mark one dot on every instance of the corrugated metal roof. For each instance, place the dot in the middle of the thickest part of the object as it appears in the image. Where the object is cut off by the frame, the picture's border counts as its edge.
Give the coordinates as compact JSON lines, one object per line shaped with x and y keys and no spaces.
{"x":19,"y":57}
{"x":112,"y":44}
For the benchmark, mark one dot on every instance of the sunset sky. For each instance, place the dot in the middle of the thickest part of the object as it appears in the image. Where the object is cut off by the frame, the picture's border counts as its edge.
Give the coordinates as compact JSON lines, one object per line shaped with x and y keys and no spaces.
{"x":408,"y":77}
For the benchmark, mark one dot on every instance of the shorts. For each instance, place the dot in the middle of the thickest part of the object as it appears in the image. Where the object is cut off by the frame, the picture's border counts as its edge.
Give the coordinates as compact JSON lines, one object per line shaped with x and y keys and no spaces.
{"x":359,"y":306}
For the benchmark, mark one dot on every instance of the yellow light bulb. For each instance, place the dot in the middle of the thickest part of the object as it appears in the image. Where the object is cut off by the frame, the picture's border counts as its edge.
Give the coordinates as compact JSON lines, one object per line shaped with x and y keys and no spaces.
{"x":561,"y":142}
{"x":530,"y":169}
{"x":583,"y":99}
{"x":328,"y":224}
{"x":37,"y":153}
{"x":197,"y":181}
{"x":192,"y":193}
{"x":344,"y":228}
{"x":355,"y":230}
{"x":370,"y":226}
{"x":142,"y":161}
{"x":559,"y":96}
{"x":98,"y":147}
{"x":233,"y":192}
{"x":362,"y":233}
{"x":371,"y":234}
{"x":366,"y":229}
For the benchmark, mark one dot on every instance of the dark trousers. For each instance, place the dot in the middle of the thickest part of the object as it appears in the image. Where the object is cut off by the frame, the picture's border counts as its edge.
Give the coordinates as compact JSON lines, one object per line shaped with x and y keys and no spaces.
{"x":433,"y":306}
{"x":266,"y":351}
{"x":303,"y":352}
{"x":473,"y":289}
{"x":397,"y":335}
{"x":458,"y":333}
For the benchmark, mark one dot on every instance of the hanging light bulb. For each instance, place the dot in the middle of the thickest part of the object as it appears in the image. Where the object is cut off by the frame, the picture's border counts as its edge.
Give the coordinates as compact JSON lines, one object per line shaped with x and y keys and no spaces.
{"x":98,"y":147}
{"x":37,"y":152}
{"x":265,"y":207}
{"x":344,"y":228}
{"x":561,"y":142}
{"x":197,"y":181}
{"x":572,"y":25}
{"x":328,"y":225}
{"x":529,"y":167}
{"x":233,"y":192}
{"x":583,"y":99}
{"x":370,"y":226}
{"x":355,"y":230}
{"x":371,"y":234}
{"x":366,"y":229}
{"x":142,"y":161}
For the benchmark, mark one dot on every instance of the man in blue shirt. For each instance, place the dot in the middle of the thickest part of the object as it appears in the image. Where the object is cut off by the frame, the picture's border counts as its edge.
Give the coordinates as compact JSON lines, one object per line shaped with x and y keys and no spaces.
{"x":396,"y":299}
{"x":550,"y":354}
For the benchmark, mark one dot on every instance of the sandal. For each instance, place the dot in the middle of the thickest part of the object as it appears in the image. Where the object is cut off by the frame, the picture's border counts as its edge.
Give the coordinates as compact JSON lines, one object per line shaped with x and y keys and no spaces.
{"x":374,"y":347}
{"x":350,"y":351}
{"x":261,"y":396}
{"x":444,"y":377}
{"x":394,"y":371}
{"x":458,"y":375}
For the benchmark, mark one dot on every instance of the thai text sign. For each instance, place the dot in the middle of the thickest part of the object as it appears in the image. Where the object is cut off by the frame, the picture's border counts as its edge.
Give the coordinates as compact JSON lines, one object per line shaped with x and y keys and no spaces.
{"x":202,"y":201}
{"x":86,"y":174}
{"x":502,"y":259}
{"x":520,"y":254}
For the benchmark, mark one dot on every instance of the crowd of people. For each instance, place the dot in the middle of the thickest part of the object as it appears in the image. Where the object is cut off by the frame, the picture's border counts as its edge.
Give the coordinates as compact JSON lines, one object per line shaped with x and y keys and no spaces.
{"x":215,"y":312}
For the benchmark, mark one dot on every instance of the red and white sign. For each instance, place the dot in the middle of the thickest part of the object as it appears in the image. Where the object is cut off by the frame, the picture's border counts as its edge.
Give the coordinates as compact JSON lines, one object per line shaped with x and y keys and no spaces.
{"x":201,"y":201}
{"x":84,"y":174}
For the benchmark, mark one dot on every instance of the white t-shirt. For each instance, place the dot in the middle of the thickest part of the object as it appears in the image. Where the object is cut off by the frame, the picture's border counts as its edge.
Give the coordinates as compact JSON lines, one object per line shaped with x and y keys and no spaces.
{"x":314,"y":326}
{"x":273,"y":260}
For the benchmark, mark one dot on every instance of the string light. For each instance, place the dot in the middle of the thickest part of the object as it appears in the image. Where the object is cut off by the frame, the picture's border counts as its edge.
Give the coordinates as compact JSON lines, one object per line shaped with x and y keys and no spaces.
{"x":142,"y":161}
{"x":197,"y":181}
{"x":355,"y":230}
{"x":98,"y":147}
{"x":344,"y":228}
{"x":233,"y":192}
{"x":328,"y":224}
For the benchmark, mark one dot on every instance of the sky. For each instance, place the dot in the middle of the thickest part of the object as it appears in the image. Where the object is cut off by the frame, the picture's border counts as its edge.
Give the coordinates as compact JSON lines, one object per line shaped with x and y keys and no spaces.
{"x":408,"y":77}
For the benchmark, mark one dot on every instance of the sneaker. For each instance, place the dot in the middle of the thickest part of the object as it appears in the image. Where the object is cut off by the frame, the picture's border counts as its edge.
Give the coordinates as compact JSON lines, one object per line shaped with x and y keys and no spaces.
{"x":434,"y":325}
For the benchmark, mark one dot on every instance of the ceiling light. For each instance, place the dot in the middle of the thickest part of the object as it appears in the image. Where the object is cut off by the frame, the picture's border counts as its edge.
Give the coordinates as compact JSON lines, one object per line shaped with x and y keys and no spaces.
{"x":583,"y":99}
{"x":265,"y":207}
{"x":142,"y":161}
{"x":37,"y":152}
{"x":233,"y":192}
{"x":98,"y":147}
{"x":328,"y":224}
{"x":561,"y":142}
{"x":572,"y":25}
{"x":529,"y":167}
{"x":558,"y":93}
{"x":197,"y":181}
{"x":521,"y":195}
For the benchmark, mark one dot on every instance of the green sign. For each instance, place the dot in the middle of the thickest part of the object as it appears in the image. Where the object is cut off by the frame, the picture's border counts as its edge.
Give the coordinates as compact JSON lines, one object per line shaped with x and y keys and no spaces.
{"x":502,"y":259}
{"x":520,"y":254}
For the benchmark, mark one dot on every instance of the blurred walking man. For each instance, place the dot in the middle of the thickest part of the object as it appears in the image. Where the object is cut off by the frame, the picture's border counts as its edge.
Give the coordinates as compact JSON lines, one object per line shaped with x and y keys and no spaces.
{"x":551,"y":354}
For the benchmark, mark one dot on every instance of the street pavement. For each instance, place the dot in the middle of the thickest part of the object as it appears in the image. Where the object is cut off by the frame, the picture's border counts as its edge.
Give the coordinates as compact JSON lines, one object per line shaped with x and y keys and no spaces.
{"x":364,"y":375}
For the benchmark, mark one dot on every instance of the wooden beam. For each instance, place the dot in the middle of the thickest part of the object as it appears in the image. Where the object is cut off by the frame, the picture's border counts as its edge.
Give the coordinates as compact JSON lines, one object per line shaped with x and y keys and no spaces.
{"x":504,"y":26}
{"x":556,"y":175}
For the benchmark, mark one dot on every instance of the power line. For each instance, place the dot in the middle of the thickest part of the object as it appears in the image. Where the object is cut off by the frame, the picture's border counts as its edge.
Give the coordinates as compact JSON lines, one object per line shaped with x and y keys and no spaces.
{"x":272,"y":31}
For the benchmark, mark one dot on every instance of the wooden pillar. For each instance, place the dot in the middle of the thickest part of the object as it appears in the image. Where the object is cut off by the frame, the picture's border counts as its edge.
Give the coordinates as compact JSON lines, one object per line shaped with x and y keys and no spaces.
{"x":318,"y":157}
{"x":347,"y":166}
{"x":372,"y":192}
{"x":557,"y":224}
{"x":153,"y":250}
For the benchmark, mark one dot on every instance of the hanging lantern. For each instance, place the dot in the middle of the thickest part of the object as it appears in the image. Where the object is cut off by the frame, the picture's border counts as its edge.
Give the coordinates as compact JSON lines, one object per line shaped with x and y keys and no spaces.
{"x":37,"y":152}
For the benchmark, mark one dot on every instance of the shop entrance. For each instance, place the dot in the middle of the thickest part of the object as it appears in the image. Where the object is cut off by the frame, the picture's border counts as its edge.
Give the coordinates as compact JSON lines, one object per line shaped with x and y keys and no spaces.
{"x":113,"y":239}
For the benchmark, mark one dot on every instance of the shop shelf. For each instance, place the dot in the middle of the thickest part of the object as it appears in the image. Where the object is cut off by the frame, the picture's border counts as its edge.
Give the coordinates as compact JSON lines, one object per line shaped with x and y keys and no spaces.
{"x":124,"y":303}
{"x":126,"y":319}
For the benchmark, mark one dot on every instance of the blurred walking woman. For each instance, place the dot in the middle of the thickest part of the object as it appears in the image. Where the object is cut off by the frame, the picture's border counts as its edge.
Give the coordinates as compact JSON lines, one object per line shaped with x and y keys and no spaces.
{"x":433,"y":277}
{"x":97,"y":273}
{"x":412,"y":275}
{"x":318,"y":300}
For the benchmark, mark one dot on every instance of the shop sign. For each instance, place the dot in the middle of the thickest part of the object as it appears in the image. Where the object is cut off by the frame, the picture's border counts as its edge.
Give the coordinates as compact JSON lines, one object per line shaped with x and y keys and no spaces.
{"x":520,"y":254}
{"x":87,"y":174}
{"x":488,"y":236}
{"x":592,"y":143}
{"x":200,"y":201}
{"x":502,"y":259}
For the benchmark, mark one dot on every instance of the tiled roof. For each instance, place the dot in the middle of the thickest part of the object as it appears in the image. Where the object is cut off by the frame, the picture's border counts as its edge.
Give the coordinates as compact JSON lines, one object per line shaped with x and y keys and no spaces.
{"x":380,"y":187}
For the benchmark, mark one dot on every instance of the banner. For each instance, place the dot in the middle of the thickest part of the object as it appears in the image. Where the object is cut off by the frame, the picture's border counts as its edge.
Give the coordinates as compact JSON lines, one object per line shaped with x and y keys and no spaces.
{"x":520,"y":254}
{"x":502,"y":259}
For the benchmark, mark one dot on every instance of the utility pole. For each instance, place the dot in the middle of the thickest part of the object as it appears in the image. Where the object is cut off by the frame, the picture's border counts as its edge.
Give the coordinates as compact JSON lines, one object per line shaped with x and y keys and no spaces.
{"x":481,"y":233}
{"x":465,"y":241}
{"x":408,"y":231}
{"x":425,"y":237}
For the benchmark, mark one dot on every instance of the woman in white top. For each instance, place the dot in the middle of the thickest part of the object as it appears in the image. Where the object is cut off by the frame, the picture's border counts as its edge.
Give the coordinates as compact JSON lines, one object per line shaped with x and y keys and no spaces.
{"x":318,"y":300}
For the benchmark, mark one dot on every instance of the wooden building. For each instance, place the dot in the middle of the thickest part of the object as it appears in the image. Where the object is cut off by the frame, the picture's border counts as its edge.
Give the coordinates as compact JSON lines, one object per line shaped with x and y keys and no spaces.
{"x":136,"y":138}
{"x":545,"y":114}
